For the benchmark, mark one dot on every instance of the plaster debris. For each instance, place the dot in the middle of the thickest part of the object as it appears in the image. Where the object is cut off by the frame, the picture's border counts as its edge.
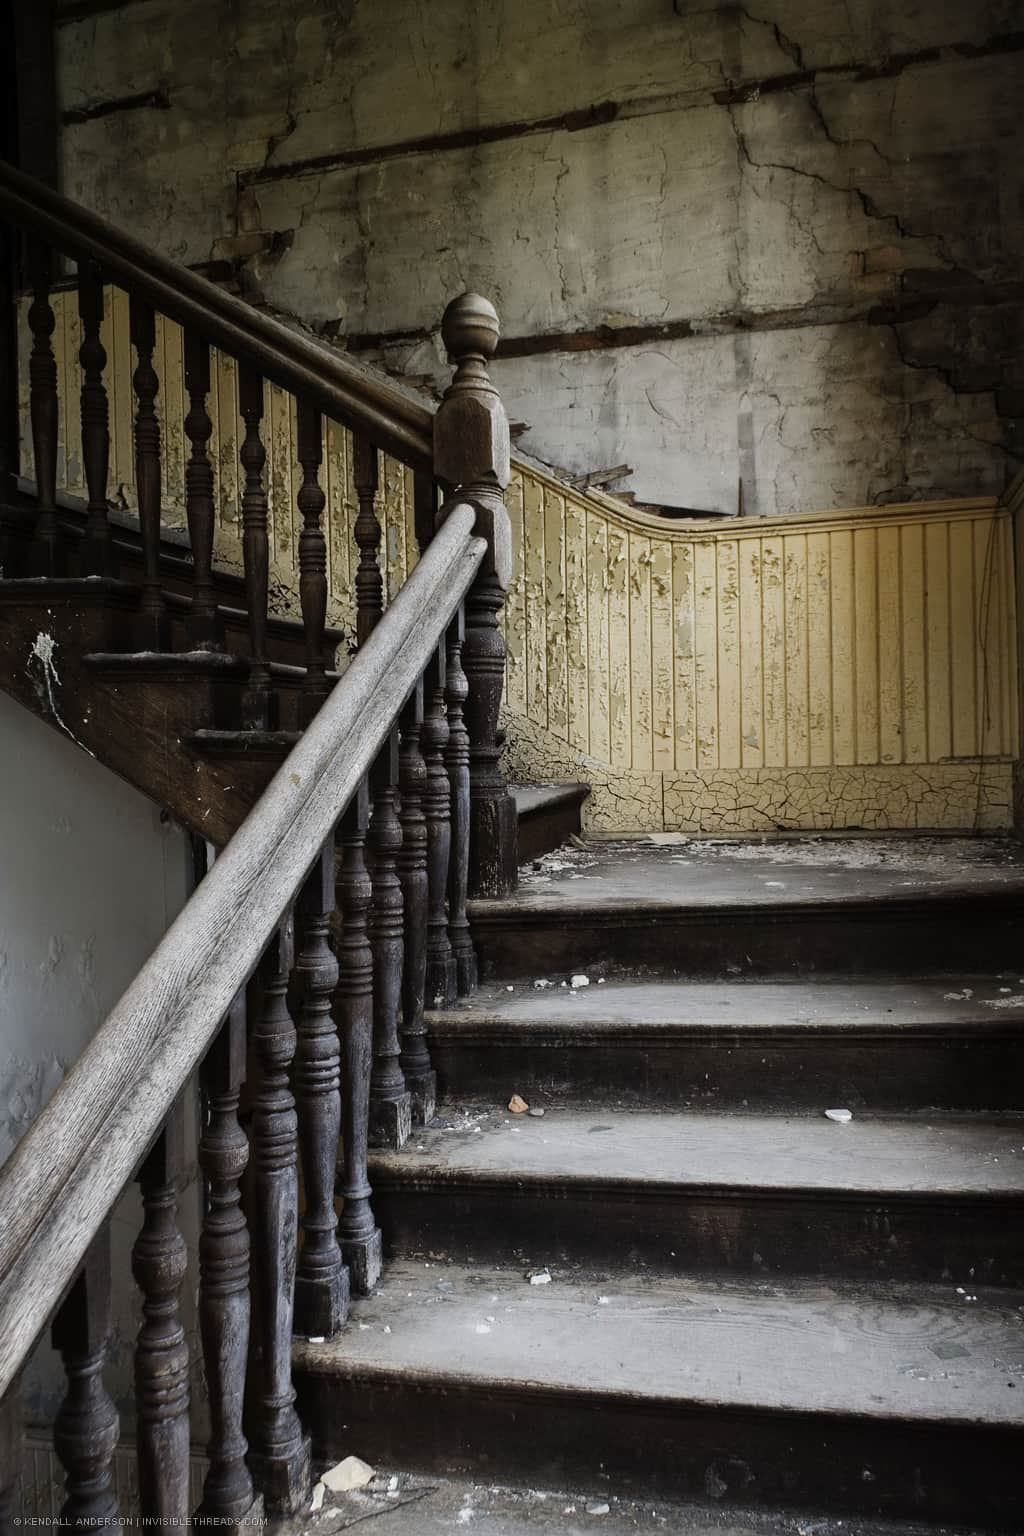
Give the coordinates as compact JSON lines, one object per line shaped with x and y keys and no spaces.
{"x":517,"y":1105}
{"x":840,"y":1116}
{"x":579,"y":981}
{"x":538,"y":1114}
{"x":539,"y":1277}
{"x":542,"y":983}
{"x":1016,"y":1001}
{"x":317,"y":1501}
{"x":348,"y":1474}
{"x":598,"y":1509}
{"x":316,"y":1338}
{"x":959,"y":997}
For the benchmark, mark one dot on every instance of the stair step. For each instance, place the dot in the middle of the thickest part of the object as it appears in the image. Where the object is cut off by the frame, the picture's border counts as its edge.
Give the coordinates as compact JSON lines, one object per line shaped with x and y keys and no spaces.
{"x":893,"y":1045}
{"x":898,"y":905}
{"x":548,"y":814}
{"x":755,"y":1194}
{"x":901,"y":1403}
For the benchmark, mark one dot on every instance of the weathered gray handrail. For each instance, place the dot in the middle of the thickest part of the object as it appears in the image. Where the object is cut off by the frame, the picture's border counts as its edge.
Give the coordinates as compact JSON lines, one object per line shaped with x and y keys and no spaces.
{"x":66,"y":1174}
{"x":365,"y":402}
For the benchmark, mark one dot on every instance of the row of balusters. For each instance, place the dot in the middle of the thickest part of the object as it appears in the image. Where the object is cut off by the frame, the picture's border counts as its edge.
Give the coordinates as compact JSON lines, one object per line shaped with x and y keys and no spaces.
{"x":97,"y":554}
{"x":334,"y":1026}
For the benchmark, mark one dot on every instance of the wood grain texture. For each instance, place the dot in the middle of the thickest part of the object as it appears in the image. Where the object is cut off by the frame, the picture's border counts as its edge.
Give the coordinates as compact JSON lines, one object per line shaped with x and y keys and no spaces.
{"x":224,"y":1312}
{"x":69,"y":1169}
{"x":321,"y":1284}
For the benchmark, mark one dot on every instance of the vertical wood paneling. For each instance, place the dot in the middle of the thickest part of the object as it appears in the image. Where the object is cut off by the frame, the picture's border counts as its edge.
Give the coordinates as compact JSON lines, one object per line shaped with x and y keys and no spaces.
{"x":936,"y":565}
{"x":913,"y":608}
{"x":617,"y":584}
{"x":536,"y":614}
{"x":555,"y":614}
{"x":515,"y":605}
{"x":684,"y":629}
{"x":597,"y":627}
{"x":988,"y":601}
{"x":640,"y":680}
{"x":705,"y":576}
{"x":843,"y":676}
{"x":865,"y":607}
{"x":576,"y":639}
{"x":819,"y":648}
{"x":751,"y":617}
{"x":794,"y":548}
{"x":773,"y":598}
{"x":728,"y":577}
{"x":663,"y":702}
{"x":963,"y":633}
{"x":890,"y":629}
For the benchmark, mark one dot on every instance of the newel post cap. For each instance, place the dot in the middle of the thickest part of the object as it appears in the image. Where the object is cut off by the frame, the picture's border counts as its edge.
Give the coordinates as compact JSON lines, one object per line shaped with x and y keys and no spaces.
{"x":470,"y":327}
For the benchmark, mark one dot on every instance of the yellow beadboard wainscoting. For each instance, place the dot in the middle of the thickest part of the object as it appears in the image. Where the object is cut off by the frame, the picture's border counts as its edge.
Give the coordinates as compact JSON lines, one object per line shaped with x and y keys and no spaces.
{"x":822,"y":670}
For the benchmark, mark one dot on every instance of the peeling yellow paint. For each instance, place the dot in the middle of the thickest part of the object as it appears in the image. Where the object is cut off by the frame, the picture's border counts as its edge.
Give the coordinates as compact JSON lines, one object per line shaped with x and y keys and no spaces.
{"x":854,"y":668}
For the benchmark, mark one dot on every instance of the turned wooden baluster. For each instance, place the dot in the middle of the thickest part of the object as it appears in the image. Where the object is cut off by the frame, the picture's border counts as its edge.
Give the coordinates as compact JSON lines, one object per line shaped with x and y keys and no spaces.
{"x":412,"y":869}
{"x":11,"y":1440}
{"x":442,"y":978}
{"x":256,"y":702}
{"x":279,"y":1457}
{"x":312,"y":557}
{"x":203,"y":625}
{"x":152,"y":621}
{"x":224,"y":1274}
{"x":44,"y":410}
{"x":86,"y":1429}
{"x":321,"y":1284}
{"x":471,"y":455}
{"x":390,"y":1104}
{"x":457,"y":763}
{"x":369,"y":582}
{"x":159,"y":1264}
{"x":96,"y":557}
{"x":353,"y":1009}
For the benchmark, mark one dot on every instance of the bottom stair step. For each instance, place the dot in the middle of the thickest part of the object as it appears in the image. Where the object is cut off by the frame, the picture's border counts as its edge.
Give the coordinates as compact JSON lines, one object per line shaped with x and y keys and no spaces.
{"x":903,"y":1403}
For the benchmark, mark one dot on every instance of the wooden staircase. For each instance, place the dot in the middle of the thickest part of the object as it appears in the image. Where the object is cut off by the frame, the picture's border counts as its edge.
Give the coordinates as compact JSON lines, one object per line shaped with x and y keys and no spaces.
{"x":749,"y":1304}
{"x":672,"y":1275}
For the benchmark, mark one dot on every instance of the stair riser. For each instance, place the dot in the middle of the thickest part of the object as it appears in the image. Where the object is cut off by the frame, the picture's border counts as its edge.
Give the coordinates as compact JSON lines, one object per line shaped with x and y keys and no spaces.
{"x":730,"y":1072}
{"x":557,"y":1439}
{"x":963,"y":1241}
{"x":969,"y":937}
{"x":542,"y":831}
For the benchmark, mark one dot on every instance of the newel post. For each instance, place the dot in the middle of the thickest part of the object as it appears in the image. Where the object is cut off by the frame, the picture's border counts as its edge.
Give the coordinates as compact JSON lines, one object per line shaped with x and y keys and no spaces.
{"x":471,"y":457}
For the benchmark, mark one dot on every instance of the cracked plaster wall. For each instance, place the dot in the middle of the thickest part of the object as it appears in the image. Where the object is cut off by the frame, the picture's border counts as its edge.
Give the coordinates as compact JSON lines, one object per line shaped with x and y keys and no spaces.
{"x":93,"y":879}
{"x":769,"y":243}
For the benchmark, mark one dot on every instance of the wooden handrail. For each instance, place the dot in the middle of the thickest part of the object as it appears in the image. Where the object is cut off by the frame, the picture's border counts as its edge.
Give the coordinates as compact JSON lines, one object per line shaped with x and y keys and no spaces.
{"x":366,"y":402}
{"x":68,"y":1171}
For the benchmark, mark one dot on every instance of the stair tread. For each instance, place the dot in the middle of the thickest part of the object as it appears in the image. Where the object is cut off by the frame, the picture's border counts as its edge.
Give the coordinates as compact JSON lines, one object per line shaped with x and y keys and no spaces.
{"x":944,"y":1157}
{"x":921,"y":1353}
{"x":799,"y":872}
{"x":664,"y":1006}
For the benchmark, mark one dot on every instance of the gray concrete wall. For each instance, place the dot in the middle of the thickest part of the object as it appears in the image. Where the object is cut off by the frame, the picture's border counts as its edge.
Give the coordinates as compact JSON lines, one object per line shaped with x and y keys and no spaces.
{"x":777,"y":243}
{"x":91,"y":881}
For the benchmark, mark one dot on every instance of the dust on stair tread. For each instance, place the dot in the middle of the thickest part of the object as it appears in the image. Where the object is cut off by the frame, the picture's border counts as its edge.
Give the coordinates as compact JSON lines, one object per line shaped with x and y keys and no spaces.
{"x":925,"y":1353}
{"x":891,"y":1156}
{"x":994,"y":1002}
{"x":796,"y":871}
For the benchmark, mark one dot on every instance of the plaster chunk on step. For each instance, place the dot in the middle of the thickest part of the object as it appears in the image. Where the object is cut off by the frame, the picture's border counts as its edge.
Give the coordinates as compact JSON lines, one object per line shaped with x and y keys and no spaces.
{"x":348,"y":1474}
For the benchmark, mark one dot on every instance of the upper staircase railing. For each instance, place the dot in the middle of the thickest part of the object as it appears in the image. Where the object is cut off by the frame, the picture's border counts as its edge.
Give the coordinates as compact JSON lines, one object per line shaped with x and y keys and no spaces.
{"x":387,"y":813}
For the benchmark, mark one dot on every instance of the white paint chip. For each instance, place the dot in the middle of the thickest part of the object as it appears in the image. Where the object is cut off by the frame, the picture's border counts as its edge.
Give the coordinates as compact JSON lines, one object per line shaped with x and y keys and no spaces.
{"x":840,"y":1116}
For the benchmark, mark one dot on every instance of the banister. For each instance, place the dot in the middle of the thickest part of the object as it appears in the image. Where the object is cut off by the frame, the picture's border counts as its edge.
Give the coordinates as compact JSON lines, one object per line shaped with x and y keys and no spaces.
{"x":64,"y":1177}
{"x":367,"y":403}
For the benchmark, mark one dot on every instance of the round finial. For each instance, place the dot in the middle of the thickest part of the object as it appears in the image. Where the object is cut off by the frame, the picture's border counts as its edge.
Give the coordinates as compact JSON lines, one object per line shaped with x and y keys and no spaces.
{"x":470,"y":325}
